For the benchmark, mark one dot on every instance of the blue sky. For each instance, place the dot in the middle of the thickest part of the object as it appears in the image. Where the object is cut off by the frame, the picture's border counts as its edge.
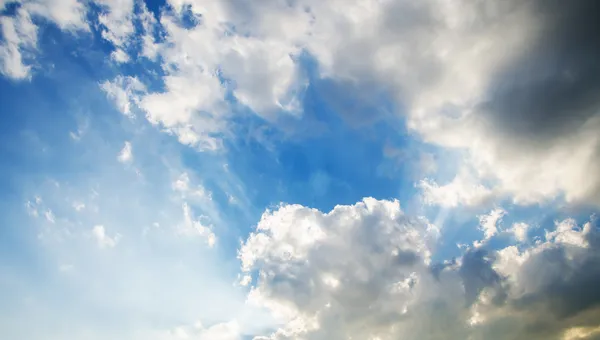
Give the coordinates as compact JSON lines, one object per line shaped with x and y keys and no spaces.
{"x":224,"y":170}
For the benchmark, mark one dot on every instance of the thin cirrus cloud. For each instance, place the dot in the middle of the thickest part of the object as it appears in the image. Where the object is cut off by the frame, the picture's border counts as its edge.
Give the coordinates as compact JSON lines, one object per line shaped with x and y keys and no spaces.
{"x":299,"y":170}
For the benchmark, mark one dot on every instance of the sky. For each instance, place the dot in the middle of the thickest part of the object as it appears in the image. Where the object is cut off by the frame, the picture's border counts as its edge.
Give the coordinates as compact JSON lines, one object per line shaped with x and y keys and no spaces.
{"x":299,"y":169}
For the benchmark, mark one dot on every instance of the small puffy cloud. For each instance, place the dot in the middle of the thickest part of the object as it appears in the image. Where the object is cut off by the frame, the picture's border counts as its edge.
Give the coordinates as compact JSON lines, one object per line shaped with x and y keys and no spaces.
{"x":183,"y":186}
{"x":103,"y":239}
{"x":126,"y":154}
{"x":520,"y":230}
{"x":119,"y":56}
{"x":49,"y":216}
{"x":489,"y":223}
{"x":124,"y":92}
{"x":78,"y":206}
{"x":246,"y":280}
{"x":31,"y":208}
{"x":193,"y":226}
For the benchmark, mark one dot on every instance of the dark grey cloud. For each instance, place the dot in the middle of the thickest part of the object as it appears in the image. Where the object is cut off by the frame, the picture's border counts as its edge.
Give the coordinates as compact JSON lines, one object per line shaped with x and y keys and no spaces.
{"x":477,"y":273}
{"x":552,"y":87}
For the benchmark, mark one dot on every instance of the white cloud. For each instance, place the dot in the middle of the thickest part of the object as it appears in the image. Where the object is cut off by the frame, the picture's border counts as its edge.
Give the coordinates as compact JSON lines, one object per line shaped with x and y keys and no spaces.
{"x":567,"y":232}
{"x":464,"y":189}
{"x":350,"y":272}
{"x":489,"y":223}
{"x":182,"y":185}
{"x":78,"y":206}
{"x":117,"y":19}
{"x":194,"y":227}
{"x":125,"y":92}
{"x":49,"y":216}
{"x":119,"y":56}
{"x":21,"y":34}
{"x":31,"y":208}
{"x":520,"y":230}
{"x":363,"y":271}
{"x":126,"y":154}
{"x":66,"y":14}
{"x":103,"y":239}
{"x":418,"y":50}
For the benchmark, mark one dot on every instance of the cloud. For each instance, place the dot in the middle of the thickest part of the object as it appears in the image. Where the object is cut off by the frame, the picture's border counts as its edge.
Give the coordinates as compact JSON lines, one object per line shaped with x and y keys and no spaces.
{"x":365,"y":271}
{"x":491,"y":79}
{"x":50,"y":216}
{"x":420,"y":52}
{"x":222,"y":331}
{"x":550,"y":284}
{"x":125,"y":92}
{"x":20,"y":33}
{"x":527,"y":71}
{"x":520,"y":230}
{"x":126,"y":154}
{"x":102,"y":238}
{"x":192,"y":226}
{"x":356,"y":271}
{"x":78,"y":206}
{"x":182,"y":185}
{"x":20,"y":36}
{"x":489,"y":223}
{"x":463,"y":189}
{"x":117,"y":21}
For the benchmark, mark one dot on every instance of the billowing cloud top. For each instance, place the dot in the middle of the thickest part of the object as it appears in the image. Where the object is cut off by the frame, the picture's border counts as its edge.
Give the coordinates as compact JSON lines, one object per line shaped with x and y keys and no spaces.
{"x":306,"y":169}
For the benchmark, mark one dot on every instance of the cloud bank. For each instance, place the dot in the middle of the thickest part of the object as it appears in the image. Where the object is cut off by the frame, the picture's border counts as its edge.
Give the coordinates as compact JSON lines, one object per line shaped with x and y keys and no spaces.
{"x":365,"y":272}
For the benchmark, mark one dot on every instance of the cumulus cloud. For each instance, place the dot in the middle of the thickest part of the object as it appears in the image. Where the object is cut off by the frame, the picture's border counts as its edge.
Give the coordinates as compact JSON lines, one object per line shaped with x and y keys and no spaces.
{"x":365,"y":271}
{"x":126,"y":154}
{"x":103,"y":239}
{"x":520,"y":231}
{"x":356,"y":271}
